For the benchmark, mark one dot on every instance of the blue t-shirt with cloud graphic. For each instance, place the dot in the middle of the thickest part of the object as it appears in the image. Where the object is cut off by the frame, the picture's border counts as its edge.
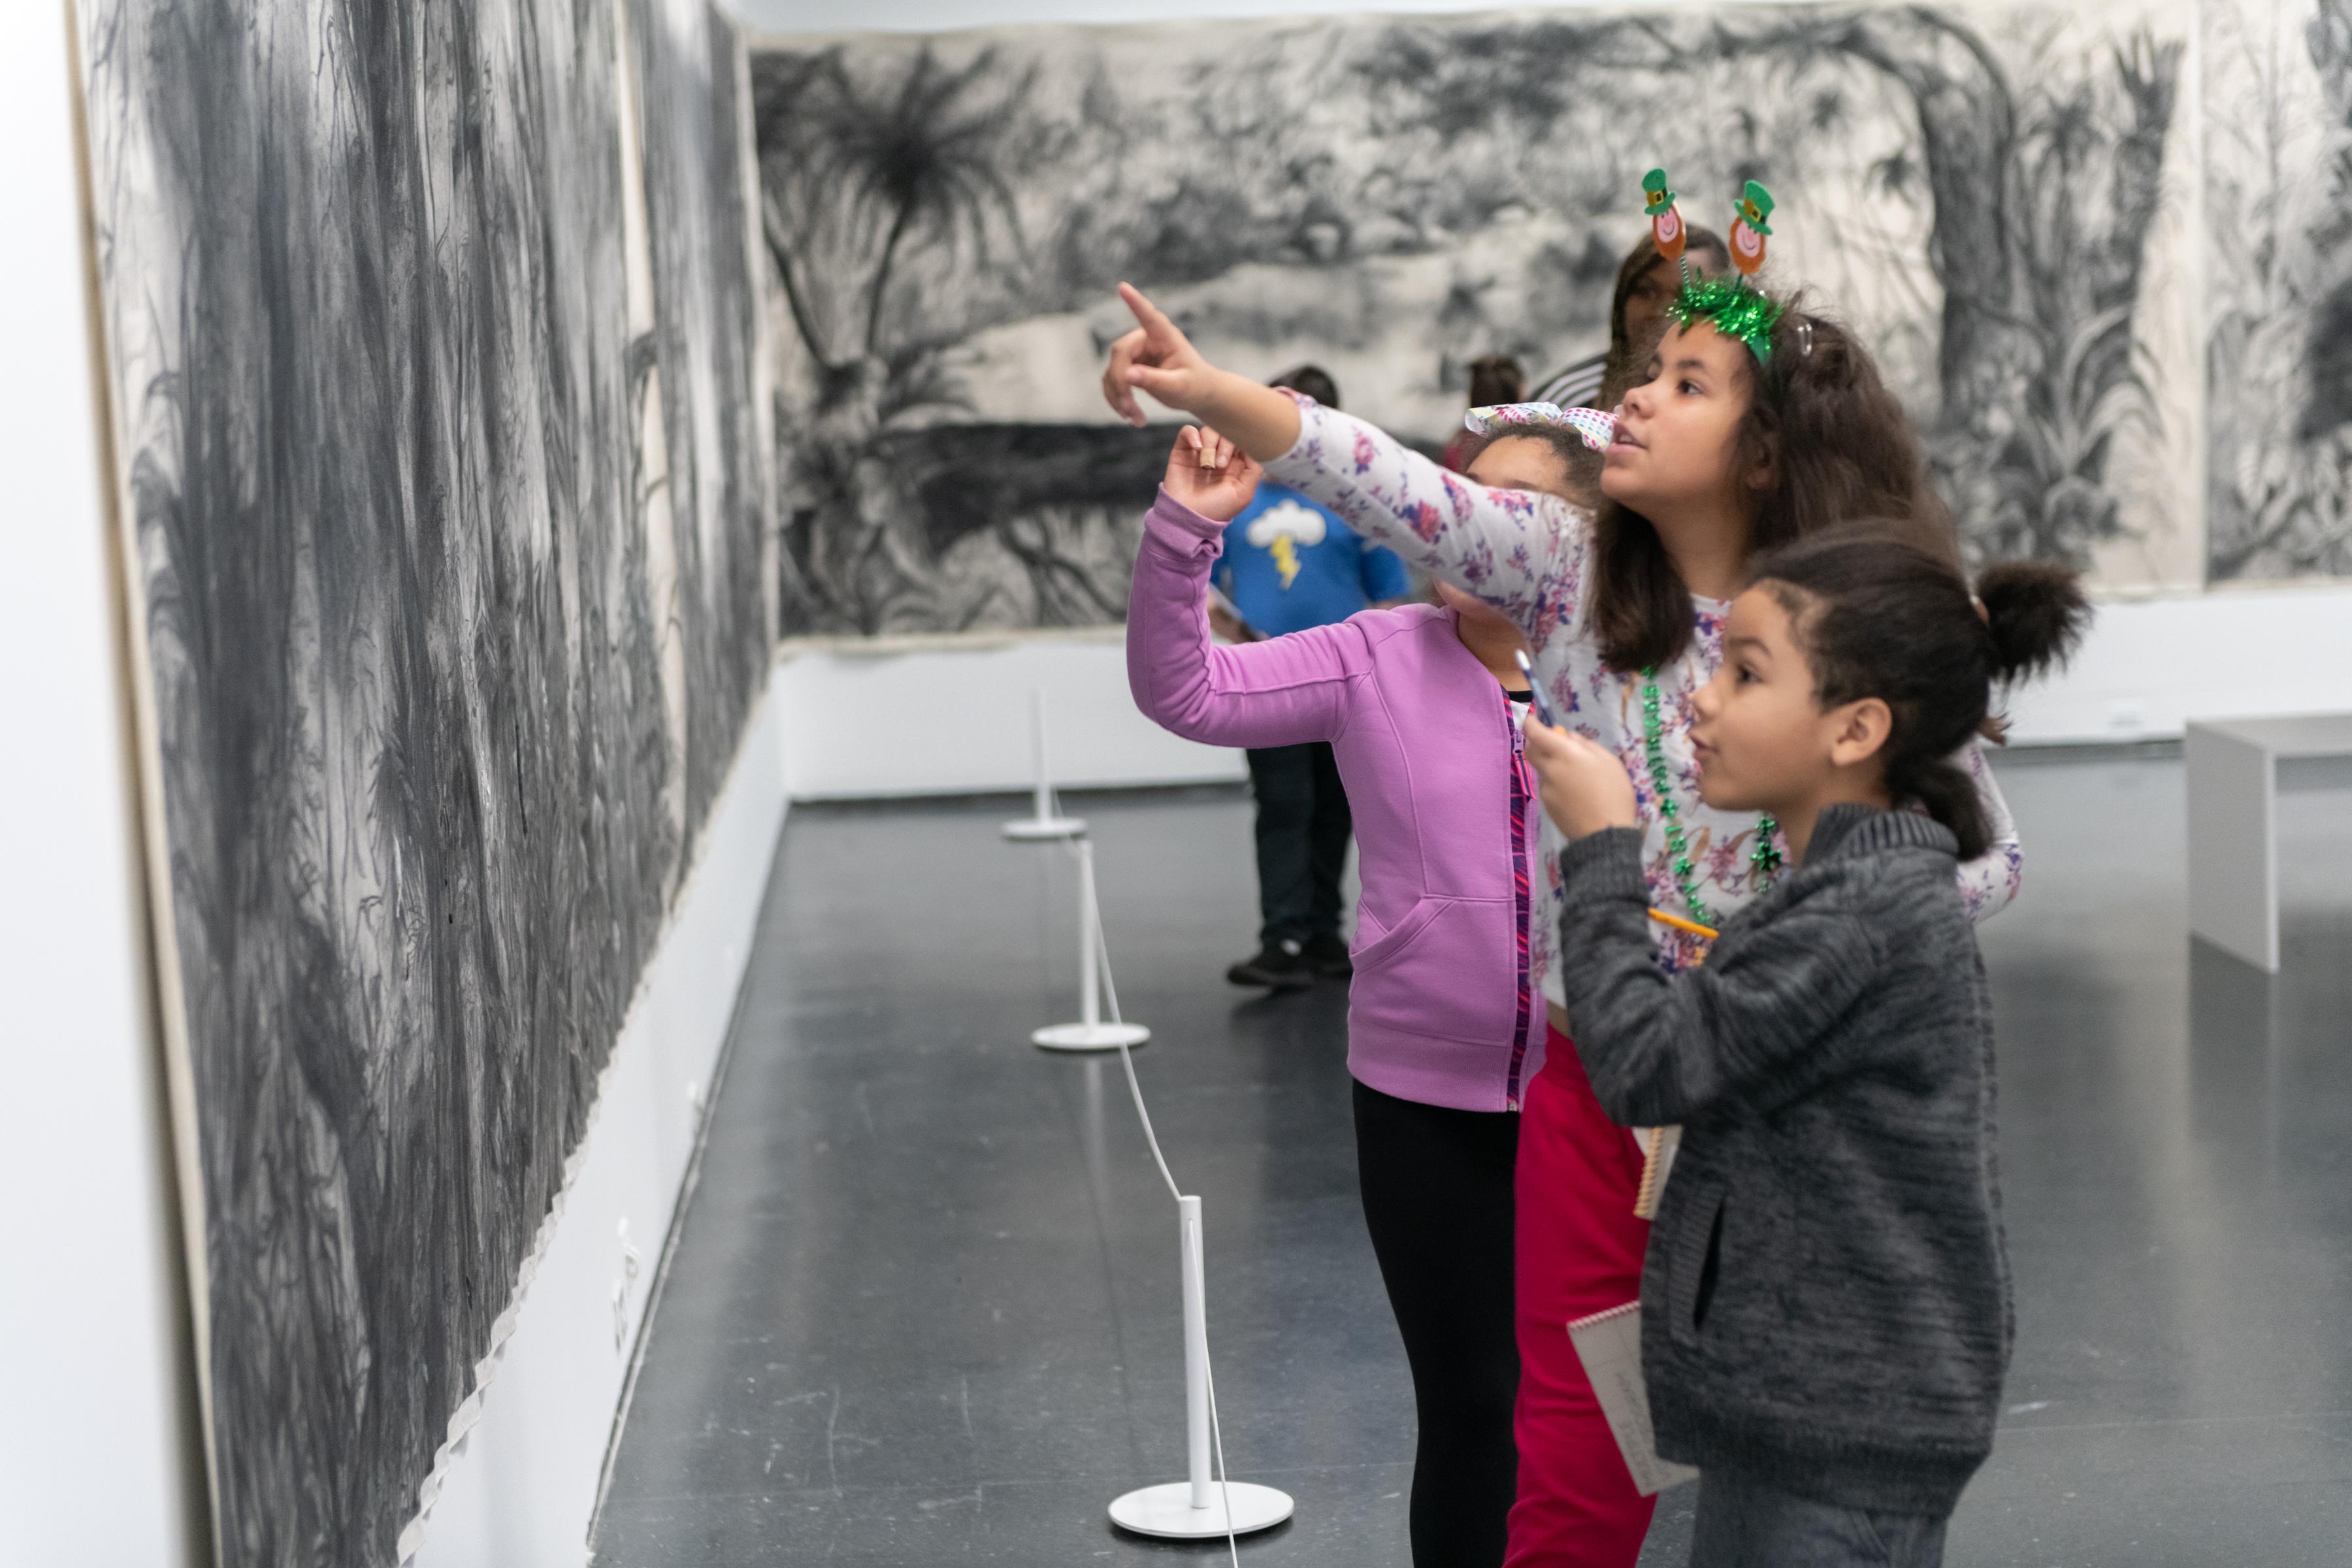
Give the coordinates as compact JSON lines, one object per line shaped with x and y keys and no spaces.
{"x":1290,"y":564}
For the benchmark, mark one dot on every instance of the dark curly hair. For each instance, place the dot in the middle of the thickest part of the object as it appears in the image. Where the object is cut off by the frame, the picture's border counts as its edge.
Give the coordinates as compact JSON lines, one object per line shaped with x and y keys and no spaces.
{"x":1838,"y":446}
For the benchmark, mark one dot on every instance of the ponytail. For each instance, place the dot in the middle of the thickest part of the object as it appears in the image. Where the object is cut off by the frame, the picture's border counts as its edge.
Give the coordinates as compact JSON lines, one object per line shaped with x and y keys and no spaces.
{"x":1945,"y":792}
{"x":2034,"y":614}
{"x":1880,"y":617}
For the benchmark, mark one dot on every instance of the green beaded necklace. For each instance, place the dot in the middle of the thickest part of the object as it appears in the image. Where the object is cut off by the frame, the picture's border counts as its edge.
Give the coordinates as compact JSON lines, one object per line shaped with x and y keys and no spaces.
{"x":1766,"y":858}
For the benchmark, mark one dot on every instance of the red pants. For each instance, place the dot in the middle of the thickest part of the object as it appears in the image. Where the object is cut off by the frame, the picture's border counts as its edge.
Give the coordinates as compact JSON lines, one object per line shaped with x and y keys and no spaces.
{"x":1579,"y":1251}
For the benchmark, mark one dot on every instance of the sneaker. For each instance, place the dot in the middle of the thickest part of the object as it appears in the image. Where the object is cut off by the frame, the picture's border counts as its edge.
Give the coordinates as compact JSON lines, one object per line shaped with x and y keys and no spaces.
{"x":1328,"y":956}
{"x":1279,"y":964}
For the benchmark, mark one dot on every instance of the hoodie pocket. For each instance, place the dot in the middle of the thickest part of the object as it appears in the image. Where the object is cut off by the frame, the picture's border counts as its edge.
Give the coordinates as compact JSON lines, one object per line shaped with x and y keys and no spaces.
{"x":1698,"y":1260}
{"x":1445,"y":969}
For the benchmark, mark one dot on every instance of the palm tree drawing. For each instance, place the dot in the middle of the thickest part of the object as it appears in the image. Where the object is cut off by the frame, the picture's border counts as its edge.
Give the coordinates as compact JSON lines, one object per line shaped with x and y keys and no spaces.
{"x":862,"y":167}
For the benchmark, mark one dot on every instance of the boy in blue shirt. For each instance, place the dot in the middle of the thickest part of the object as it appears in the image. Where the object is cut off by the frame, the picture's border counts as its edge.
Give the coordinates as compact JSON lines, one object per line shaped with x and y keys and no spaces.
{"x":1289,"y":564}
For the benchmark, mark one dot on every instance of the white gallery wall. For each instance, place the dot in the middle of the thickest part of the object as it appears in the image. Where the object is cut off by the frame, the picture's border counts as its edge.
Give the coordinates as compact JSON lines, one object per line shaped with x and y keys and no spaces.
{"x":928,"y":716}
{"x":96,"y":1419}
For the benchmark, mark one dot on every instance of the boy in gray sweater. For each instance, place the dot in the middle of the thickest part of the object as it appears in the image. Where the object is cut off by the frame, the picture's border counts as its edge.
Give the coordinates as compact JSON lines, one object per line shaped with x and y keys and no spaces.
{"x":1825,"y":1304}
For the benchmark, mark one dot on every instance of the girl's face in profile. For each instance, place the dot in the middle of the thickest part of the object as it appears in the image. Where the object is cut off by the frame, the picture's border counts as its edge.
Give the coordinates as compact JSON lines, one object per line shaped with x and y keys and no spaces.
{"x":1675,"y":446}
{"x":1757,"y":733}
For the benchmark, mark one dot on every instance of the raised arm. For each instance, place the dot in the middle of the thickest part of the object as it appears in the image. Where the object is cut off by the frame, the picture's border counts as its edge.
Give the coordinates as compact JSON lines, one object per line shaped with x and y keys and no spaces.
{"x":1523,"y":553}
{"x":1990,"y":881}
{"x":1283,"y":691}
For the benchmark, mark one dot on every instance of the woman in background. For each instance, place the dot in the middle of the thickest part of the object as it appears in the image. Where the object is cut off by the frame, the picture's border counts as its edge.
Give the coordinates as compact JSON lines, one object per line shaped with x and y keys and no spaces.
{"x":1646,"y":282}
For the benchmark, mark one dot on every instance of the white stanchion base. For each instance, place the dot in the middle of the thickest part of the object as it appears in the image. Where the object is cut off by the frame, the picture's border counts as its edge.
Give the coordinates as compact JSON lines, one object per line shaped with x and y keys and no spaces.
{"x":1033,"y":828}
{"x":1089,"y":1036}
{"x":1167,"y":1511}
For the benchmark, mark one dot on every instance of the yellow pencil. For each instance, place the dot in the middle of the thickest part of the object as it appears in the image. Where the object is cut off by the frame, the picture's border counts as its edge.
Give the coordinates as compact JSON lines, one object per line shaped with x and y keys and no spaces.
{"x":1679,"y":924}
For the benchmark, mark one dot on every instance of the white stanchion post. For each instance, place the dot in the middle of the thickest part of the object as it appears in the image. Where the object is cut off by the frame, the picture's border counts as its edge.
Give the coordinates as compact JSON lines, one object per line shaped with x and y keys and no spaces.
{"x":1196,"y":1351}
{"x":1042,"y":823}
{"x":1194,"y":1509}
{"x":1090,"y":1033}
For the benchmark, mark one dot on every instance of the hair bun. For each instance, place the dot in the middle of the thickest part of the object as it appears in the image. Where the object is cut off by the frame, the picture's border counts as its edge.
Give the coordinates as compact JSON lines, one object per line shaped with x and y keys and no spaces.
{"x":2035,"y":613}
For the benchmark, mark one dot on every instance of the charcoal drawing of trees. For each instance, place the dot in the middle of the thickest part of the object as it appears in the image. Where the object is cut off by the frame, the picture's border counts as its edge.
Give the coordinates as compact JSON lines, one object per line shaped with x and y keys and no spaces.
{"x":2042,"y":195}
{"x":2279,"y":354}
{"x":855,"y":168}
{"x":2042,"y":205}
{"x":401,"y":652}
{"x":1278,"y":180}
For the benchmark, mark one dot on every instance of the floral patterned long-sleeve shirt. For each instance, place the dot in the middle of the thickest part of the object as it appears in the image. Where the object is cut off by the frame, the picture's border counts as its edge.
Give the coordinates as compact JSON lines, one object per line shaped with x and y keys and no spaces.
{"x":1531,"y":556}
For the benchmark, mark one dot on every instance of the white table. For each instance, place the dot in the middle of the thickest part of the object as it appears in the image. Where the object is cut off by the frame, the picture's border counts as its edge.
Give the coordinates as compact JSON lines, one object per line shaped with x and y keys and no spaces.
{"x":2235,"y":770}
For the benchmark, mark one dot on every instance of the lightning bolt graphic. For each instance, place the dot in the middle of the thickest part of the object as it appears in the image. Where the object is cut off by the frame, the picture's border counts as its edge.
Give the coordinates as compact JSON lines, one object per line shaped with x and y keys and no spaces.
{"x":1286,"y":559}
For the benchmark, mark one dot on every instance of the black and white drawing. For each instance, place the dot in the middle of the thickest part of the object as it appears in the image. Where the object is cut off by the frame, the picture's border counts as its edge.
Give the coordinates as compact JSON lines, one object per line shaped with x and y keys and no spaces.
{"x":719,"y":448}
{"x":1981,"y":189}
{"x":2278,"y":212}
{"x":411,"y":749}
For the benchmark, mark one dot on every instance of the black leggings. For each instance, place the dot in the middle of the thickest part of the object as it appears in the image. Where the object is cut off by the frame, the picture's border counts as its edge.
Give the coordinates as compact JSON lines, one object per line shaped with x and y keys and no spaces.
{"x":1438,"y":1199}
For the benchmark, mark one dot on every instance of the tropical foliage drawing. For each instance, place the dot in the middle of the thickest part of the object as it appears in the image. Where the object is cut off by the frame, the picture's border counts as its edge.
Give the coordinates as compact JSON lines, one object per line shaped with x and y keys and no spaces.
{"x":2279,"y":236}
{"x":1981,"y":190}
{"x":424,"y":781}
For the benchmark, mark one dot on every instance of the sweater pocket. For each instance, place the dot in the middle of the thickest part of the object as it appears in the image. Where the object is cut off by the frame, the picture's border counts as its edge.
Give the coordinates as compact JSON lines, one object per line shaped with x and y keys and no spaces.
{"x":1697,"y":1266}
{"x":1447,"y":969}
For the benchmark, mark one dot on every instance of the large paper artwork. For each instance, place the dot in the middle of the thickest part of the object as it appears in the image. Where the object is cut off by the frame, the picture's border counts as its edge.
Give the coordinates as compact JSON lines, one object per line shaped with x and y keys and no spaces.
{"x":1995,"y":194}
{"x":2278,"y":211}
{"x":708,"y":346}
{"x":430,"y":705}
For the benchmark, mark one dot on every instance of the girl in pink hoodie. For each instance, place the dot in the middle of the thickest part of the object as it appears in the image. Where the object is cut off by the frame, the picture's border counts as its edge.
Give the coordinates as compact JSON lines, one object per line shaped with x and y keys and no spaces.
{"x":1760,"y":421}
{"x":1446,"y":1017}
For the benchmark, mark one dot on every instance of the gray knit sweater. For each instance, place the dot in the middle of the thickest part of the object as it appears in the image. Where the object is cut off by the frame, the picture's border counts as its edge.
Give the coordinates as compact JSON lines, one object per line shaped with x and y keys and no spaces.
{"x":1826,"y":1304}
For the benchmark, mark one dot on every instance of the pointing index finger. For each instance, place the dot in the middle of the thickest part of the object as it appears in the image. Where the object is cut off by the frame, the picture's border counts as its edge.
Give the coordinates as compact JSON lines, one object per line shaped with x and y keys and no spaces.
{"x":1148,"y":316}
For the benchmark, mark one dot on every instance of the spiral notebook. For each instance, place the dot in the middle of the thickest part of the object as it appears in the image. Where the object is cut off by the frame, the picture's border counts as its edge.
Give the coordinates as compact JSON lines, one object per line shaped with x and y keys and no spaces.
{"x":1610,"y":1345}
{"x":1658,"y":1147}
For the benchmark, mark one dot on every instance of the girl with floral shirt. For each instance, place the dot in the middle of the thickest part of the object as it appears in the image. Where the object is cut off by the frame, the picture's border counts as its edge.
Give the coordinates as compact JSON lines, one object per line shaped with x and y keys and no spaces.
{"x":1744,"y":435}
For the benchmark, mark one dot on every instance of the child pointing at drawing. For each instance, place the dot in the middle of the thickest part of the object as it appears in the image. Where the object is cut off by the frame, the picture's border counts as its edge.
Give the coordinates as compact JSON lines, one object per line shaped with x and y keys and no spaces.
{"x":1825,"y":1304}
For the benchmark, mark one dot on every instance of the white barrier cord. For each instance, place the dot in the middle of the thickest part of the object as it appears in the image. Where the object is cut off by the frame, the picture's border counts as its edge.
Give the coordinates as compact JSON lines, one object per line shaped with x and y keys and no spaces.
{"x":1135,"y":1091}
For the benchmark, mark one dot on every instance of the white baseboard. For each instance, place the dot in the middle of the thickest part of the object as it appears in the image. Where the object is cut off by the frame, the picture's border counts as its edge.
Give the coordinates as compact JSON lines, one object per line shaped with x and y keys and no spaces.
{"x":951,"y":716}
{"x":517,"y":1487}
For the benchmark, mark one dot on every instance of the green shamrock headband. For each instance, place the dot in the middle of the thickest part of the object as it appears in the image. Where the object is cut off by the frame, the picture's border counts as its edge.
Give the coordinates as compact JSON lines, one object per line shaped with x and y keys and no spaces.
{"x":1732,"y":306}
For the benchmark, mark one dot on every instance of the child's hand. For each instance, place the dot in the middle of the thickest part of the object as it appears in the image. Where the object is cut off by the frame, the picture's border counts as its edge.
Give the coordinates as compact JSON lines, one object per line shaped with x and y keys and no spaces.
{"x":1156,"y":358}
{"x":1211,"y":475}
{"x":1585,"y":787}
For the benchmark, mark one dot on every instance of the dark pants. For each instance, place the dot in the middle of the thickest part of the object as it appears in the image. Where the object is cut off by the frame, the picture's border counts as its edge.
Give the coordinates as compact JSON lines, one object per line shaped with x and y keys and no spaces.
{"x":1302,"y":840}
{"x":1743,"y":1524}
{"x":1438,"y":1199}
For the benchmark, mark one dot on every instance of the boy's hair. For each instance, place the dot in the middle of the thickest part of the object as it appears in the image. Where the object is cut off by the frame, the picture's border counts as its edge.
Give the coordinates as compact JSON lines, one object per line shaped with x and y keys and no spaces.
{"x":1837,"y":446}
{"x":1497,"y":378}
{"x":1879,"y":616}
{"x":1314,"y":381}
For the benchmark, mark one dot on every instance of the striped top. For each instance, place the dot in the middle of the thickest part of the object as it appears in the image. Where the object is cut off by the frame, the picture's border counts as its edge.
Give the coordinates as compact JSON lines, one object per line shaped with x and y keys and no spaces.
{"x":1577,"y":387}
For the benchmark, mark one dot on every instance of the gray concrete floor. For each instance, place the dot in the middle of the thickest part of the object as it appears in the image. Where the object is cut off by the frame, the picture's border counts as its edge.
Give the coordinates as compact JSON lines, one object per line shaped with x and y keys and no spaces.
{"x":923,"y":1305}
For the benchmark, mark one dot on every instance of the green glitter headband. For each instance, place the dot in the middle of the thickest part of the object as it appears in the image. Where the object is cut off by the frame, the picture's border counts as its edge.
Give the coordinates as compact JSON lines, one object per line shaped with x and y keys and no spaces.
{"x":1733,"y":308}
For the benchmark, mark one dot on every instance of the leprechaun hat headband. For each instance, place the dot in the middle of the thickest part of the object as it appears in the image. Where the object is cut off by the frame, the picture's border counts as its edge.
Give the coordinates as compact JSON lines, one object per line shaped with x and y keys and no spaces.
{"x":1733,"y":307}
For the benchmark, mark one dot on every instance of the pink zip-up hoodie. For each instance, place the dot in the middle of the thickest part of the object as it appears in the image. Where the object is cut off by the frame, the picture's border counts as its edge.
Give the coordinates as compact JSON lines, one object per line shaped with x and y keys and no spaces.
{"x":1444,"y":1007}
